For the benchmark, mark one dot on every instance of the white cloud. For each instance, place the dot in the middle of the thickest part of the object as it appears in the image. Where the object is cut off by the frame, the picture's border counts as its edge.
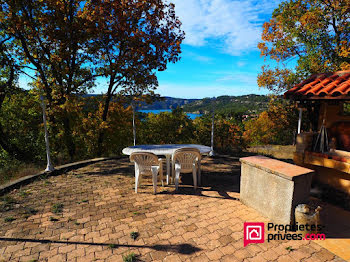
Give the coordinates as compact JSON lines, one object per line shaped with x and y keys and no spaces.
{"x":235,"y":26}
{"x":238,"y":77}
{"x":241,"y":63}
{"x":200,"y":58}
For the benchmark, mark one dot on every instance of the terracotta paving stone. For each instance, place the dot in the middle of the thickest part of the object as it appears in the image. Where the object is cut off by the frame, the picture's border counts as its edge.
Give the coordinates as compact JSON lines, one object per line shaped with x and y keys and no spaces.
{"x":254,"y":249}
{"x":28,"y":258}
{"x":285,"y":258}
{"x":258,"y":259}
{"x":242,"y":254}
{"x":269,"y":255}
{"x":224,"y":240}
{"x":103,"y":254}
{"x":66,"y":249}
{"x":80,"y":252}
{"x":323,"y":255}
{"x":230,"y":258}
{"x":172,"y":258}
{"x":214,"y":235}
{"x":57,"y":258}
{"x":227,"y":250}
{"x":216,"y":254}
{"x":100,"y":210}
{"x":50,"y":253}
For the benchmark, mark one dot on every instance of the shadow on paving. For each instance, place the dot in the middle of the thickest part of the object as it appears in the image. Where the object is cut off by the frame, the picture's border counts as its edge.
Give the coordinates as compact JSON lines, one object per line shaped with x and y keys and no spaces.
{"x":186,"y":249}
{"x":199,"y":192}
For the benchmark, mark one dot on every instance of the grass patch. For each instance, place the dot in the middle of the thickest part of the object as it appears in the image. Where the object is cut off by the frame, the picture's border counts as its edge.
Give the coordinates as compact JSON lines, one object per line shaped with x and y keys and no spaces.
{"x":130,"y":257}
{"x":275,"y":151}
{"x":57,"y":208}
{"x":47,"y":182}
{"x":8,"y":200}
{"x":134,"y":235}
{"x":9,"y":219}
{"x":7,"y":203}
{"x":24,"y":193}
{"x":289,"y":248}
{"x":112,"y":246}
{"x":30,"y":211}
{"x":13,"y":169}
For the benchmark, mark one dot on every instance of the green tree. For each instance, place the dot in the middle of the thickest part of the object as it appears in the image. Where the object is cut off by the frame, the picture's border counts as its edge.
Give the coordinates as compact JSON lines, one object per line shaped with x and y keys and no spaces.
{"x":167,"y":128}
{"x":277,"y":125}
{"x":313,"y":33}
{"x":22,"y":114}
{"x":228,"y":134}
{"x":51,"y":37}
{"x":135,"y":39}
{"x":9,"y":71}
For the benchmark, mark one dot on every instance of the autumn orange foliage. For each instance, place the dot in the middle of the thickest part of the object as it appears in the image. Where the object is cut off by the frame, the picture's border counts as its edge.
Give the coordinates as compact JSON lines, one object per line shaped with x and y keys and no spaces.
{"x":277,"y":125}
{"x":313,"y":33}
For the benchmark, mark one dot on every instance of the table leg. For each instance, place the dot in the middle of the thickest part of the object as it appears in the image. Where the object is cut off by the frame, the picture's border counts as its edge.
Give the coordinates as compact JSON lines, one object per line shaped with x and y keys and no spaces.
{"x":199,"y":173}
{"x":167,"y":168}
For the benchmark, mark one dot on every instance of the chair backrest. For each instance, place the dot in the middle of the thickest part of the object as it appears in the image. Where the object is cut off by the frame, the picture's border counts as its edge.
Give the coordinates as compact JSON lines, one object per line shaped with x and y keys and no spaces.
{"x":144,"y":160}
{"x":186,"y":157}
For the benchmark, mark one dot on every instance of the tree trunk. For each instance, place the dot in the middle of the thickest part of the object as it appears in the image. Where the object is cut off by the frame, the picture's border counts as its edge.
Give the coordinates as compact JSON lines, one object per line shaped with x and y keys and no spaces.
{"x":104,"y":118}
{"x":68,"y":137}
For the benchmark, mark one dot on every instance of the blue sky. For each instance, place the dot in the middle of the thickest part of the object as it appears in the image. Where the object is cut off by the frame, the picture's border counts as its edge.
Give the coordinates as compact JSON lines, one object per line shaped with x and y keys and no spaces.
{"x":219,"y":54}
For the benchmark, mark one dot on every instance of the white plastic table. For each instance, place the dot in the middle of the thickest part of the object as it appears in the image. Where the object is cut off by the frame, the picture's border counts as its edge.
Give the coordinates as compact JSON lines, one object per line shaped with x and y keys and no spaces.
{"x":165,"y":150}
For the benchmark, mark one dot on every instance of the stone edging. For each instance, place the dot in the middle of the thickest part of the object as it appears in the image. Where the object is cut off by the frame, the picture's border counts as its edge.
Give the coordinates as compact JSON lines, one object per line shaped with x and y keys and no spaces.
{"x":58,"y":170}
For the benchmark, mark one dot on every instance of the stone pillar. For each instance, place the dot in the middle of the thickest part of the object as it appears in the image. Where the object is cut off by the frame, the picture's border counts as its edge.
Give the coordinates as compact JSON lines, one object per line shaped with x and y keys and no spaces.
{"x":274,"y":188}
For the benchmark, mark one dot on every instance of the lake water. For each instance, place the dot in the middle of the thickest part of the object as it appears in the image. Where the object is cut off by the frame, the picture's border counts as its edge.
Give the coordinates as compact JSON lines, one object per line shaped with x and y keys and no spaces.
{"x":190,"y":115}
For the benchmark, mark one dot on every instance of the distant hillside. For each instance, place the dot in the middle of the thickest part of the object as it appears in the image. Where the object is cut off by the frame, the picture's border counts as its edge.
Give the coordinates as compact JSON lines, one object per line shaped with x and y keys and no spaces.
{"x":249,"y":104}
{"x":164,"y":102}
{"x":168,"y":103}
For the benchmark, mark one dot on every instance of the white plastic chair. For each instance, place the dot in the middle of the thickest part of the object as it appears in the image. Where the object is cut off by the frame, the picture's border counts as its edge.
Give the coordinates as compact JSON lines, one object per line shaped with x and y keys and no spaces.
{"x":186,"y":160}
{"x":147,"y":163}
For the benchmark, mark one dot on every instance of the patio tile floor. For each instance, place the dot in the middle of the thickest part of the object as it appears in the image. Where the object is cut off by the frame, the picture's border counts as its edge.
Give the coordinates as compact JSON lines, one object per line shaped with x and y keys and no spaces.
{"x":88,"y":215}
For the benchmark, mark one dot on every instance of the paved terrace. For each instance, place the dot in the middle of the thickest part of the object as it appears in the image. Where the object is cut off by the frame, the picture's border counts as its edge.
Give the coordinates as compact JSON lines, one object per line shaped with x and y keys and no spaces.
{"x":88,"y":215}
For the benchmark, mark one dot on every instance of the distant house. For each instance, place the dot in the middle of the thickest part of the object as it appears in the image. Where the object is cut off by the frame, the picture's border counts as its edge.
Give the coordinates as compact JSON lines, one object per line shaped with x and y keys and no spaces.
{"x":324,"y":99}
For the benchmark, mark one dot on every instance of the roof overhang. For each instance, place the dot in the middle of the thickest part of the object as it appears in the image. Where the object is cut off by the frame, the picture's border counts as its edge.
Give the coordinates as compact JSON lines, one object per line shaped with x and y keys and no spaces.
{"x":326,"y":86}
{"x":318,"y":98}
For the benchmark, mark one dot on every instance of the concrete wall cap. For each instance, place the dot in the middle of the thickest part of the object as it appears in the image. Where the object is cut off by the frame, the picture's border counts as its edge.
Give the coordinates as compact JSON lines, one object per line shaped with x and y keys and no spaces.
{"x":277,"y":167}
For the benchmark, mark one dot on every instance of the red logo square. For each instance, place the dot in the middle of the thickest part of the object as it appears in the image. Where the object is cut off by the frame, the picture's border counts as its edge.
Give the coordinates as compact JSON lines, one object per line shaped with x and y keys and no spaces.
{"x":254,"y":232}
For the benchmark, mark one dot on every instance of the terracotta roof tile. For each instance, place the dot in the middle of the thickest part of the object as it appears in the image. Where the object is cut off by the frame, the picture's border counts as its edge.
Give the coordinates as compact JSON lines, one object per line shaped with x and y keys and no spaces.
{"x":323,"y":86}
